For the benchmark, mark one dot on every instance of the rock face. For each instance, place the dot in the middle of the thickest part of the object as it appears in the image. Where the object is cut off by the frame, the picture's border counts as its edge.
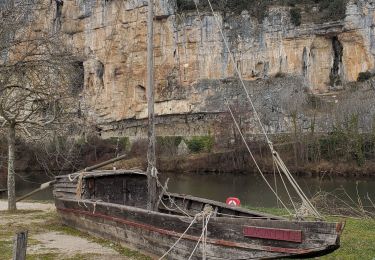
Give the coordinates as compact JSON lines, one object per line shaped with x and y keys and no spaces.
{"x":191,"y":57}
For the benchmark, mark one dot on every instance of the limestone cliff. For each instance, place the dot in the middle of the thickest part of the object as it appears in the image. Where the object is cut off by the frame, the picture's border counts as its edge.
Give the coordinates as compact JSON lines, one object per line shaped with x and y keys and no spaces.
{"x":192,"y":66}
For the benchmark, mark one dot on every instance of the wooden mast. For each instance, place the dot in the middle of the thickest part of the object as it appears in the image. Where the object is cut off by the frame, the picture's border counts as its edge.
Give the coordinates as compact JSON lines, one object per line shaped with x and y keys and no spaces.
{"x":151,"y":159}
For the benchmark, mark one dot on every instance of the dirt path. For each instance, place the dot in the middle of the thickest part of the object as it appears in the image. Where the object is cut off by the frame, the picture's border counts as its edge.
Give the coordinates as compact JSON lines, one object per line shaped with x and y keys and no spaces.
{"x":48,"y":239}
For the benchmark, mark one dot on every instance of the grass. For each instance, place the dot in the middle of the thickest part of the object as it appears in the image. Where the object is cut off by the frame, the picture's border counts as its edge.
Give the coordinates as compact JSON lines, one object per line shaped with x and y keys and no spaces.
{"x":6,"y":248}
{"x":357,"y":241}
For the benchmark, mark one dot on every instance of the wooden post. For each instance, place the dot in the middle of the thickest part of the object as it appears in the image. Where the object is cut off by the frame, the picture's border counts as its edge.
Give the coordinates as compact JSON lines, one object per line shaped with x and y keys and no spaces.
{"x":20,"y":245}
{"x":151,"y":158}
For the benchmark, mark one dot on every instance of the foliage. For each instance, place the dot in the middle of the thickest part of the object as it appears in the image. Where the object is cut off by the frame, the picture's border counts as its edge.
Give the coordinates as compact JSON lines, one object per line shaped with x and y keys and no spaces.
{"x":330,"y":9}
{"x":363,"y":76}
{"x":344,"y":142}
{"x":185,"y":5}
{"x":295,"y":15}
{"x":38,"y":80}
{"x":169,"y":140}
{"x":333,"y":8}
{"x":199,"y":144}
{"x":121,"y":144}
{"x":167,"y":145}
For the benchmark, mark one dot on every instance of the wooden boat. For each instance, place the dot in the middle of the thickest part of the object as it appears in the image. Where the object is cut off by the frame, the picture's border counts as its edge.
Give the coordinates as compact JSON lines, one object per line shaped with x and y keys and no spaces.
{"x":112,"y":205}
{"x":128,"y":207}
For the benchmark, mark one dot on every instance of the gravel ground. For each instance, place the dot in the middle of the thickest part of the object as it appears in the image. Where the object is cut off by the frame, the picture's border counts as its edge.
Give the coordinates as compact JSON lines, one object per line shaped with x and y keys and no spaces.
{"x":28,"y":206}
{"x":45,"y":243}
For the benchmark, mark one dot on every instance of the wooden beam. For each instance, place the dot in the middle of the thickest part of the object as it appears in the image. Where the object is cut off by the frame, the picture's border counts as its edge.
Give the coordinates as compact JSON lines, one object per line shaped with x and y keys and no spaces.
{"x":42,"y":187}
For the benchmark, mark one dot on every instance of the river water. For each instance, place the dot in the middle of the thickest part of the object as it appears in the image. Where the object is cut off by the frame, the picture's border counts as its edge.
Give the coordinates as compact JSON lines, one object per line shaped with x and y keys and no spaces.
{"x":250,"y":189}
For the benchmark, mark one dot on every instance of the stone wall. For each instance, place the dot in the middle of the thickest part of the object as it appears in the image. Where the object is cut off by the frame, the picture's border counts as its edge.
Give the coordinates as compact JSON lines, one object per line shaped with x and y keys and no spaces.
{"x":192,"y":63}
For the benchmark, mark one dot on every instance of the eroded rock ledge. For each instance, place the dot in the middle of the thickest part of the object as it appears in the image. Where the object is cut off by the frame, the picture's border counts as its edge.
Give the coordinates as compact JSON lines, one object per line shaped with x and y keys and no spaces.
{"x":190,"y":56}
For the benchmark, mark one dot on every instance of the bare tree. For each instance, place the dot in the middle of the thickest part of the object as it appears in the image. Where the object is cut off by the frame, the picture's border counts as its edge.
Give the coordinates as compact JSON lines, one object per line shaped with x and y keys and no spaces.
{"x":37,"y":77}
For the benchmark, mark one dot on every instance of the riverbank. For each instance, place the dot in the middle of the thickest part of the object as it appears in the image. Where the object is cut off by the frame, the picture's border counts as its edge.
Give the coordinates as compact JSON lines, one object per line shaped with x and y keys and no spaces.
{"x":230,"y":162}
{"x":48,"y":239}
{"x":323,"y":155}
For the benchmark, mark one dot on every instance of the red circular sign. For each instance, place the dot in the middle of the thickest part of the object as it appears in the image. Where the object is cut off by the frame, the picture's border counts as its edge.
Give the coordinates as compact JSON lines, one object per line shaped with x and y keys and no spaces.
{"x":234,"y":202}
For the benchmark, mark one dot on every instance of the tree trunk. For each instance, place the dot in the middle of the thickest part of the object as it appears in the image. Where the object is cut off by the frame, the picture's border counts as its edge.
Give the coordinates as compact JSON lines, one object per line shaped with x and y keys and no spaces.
{"x":11,"y":172}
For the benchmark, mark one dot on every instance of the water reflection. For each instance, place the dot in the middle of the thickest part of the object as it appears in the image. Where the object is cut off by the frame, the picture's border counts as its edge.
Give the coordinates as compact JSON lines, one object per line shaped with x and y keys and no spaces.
{"x":251,"y":189}
{"x":29,"y":181}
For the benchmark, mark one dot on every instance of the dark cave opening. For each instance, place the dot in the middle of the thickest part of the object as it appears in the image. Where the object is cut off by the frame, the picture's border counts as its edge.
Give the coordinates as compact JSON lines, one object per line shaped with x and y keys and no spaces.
{"x":305,"y":62}
{"x":335,"y":78}
{"x":59,"y":6}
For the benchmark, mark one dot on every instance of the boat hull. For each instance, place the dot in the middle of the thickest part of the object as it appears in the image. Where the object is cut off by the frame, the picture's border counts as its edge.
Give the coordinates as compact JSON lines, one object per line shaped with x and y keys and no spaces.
{"x":154,"y":232}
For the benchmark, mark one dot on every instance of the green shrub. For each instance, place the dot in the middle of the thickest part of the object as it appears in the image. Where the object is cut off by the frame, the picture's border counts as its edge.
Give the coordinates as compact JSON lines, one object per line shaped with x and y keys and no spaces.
{"x":295,"y":16}
{"x":363,"y":76}
{"x":199,"y":144}
{"x":345,"y":142}
{"x":169,"y":140}
{"x":124,"y":143}
{"x":167,"y":145}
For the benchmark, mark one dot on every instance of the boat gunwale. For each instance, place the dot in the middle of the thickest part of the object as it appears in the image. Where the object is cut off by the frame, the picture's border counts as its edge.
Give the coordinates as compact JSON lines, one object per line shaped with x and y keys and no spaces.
{"x":183,"y":218}
{"x":219,"y":242}
{"x":102,"y":173}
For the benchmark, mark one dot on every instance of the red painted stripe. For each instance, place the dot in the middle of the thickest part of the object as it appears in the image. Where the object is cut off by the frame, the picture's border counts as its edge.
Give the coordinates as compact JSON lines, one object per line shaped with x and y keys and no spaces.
{"x":193,"y":238}
{"x":273,"y":234}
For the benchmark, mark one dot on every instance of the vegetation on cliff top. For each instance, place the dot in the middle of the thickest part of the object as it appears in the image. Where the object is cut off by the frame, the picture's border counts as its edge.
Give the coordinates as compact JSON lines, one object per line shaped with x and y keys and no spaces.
{"x":328,"y":9}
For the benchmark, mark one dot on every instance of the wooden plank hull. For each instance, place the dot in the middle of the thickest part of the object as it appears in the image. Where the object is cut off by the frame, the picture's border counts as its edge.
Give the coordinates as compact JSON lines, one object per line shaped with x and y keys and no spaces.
{"x":155,"y":232}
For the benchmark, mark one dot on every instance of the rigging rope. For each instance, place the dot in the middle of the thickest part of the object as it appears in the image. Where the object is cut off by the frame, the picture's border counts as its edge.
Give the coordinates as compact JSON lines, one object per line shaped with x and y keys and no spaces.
{"x":286,"y":188}
{"x":206,"y":215}
{"x":178,"y":240}
{"x":171,"y":200}
{"x":305,"y":201}
{"x":276,"y":157}
{"x":254,"y":160}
